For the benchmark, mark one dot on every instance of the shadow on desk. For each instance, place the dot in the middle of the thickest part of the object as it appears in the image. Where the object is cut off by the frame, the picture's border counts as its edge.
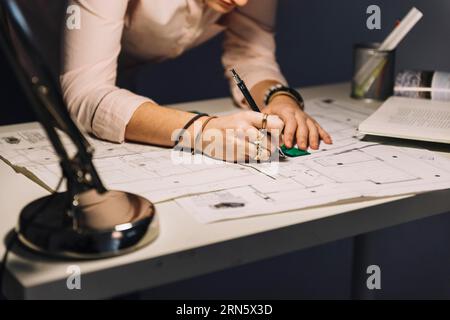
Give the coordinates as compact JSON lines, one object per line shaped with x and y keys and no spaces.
{"x":432,"y":146}
{"x":24,"y":253}
{"x":8,"y":280}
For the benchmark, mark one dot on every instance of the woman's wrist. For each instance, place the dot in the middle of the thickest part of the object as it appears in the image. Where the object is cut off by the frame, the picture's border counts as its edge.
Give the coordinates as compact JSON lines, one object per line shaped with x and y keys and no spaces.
{"x":156,"y":125}
{"x":198,"y":142}
{"x":283,"y":98}
{"x":279,"y":90}
{"x":191,"y":132}
{"x":279,"y":101}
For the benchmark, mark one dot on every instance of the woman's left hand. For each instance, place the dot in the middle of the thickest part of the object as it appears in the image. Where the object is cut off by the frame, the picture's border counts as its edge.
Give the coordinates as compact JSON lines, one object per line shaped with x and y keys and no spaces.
{"x":299,"y":127}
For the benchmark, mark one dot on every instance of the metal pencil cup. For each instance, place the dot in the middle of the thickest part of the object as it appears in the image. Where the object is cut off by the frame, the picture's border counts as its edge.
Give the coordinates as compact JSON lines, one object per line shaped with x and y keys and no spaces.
{"x":373,"y":72}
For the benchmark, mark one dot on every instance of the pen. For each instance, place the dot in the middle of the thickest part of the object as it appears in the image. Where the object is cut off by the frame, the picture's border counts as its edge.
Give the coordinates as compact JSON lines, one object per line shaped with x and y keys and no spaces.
{"x":248,"y":97}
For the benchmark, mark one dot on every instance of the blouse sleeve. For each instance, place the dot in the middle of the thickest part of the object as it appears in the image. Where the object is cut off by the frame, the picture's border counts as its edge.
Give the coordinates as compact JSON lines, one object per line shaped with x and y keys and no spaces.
{"x":249,"y":46}
{"x":89,"y":70}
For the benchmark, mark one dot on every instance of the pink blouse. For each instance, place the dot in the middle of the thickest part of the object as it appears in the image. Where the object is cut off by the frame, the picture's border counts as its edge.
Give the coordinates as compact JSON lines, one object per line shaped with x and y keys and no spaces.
{"x":155,"y":30}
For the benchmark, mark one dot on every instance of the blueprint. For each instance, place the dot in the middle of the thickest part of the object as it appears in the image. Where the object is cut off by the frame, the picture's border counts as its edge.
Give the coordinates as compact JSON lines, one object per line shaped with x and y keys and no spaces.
{"x":213,"y":190}
{"x":155,"y":173}
{"x":348,"y":169}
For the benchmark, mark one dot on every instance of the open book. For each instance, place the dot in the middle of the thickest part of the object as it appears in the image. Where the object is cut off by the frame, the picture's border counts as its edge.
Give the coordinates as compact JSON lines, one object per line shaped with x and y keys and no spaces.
{"x":413,"y":119}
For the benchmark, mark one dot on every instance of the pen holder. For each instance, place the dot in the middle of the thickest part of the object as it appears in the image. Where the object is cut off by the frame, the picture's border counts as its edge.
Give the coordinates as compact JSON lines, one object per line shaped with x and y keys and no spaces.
{"x":373,"y":72}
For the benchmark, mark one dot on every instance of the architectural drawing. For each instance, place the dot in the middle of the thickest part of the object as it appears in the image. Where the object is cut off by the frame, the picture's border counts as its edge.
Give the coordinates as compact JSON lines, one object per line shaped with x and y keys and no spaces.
{"x":214,"y":190}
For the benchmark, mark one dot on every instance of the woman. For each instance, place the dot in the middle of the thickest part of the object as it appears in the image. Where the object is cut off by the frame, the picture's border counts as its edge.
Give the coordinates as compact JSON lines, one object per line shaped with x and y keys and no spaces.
{"x":154,"y":30}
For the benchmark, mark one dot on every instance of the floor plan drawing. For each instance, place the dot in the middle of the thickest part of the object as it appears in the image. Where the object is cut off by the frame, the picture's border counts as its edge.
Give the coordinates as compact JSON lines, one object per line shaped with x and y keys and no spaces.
{"x":213,"y":190}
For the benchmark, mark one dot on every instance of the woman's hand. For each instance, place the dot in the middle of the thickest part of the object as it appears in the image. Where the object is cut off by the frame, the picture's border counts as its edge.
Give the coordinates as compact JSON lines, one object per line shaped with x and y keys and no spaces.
{"x":234,"y":137}
{"x":299,"y":127}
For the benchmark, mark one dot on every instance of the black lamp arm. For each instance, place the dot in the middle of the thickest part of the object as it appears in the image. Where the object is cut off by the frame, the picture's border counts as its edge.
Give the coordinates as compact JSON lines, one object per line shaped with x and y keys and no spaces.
{"x":47,"y":103}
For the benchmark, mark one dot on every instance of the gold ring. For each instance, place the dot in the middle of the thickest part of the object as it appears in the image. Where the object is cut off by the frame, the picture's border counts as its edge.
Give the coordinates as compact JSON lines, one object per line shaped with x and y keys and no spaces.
{"x":264,"y":121}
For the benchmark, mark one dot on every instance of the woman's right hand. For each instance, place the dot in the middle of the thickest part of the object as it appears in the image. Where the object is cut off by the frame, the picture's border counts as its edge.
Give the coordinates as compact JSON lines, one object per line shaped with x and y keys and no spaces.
{"x":234,"y":137}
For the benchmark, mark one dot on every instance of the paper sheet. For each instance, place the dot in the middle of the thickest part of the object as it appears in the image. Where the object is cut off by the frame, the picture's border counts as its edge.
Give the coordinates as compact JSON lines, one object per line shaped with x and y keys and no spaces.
{"x":213,"y":190}
{"x":347,"y":169}
{"x":155,"y":173}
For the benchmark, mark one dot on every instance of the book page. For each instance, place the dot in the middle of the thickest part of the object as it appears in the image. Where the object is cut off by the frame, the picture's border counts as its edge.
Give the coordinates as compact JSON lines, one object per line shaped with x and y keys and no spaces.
{"x":408,"y":118}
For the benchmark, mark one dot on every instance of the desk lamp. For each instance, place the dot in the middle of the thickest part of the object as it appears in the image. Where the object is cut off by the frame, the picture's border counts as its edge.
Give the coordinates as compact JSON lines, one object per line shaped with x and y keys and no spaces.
{"x":87,"y":221}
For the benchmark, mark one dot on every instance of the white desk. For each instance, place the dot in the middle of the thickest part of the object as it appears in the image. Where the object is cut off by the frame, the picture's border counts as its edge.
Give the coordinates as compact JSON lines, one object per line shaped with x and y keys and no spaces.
{"x":186,"y":248}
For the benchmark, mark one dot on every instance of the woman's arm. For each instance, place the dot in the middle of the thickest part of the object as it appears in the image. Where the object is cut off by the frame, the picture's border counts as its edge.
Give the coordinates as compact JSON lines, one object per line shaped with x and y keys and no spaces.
{"x":89,"y":70}
{"x":111,"y":113}
{"x":148,"y":117}
{"x":227,"y":137}
{"x":250,"y":49}
{"x":89,"y":76}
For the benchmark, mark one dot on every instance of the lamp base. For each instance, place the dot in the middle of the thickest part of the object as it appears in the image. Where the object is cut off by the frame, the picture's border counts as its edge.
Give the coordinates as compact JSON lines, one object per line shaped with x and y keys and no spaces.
{"x":48,"y":225}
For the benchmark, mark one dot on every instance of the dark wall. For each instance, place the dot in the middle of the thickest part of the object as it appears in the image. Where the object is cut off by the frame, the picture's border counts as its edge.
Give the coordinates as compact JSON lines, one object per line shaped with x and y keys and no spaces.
{"x":14,"y":107}
{"x":314,"y":40}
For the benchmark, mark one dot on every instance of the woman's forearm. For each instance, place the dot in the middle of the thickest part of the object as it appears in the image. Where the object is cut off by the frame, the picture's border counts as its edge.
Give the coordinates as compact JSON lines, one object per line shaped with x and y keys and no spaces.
{"x":154,"y":124}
